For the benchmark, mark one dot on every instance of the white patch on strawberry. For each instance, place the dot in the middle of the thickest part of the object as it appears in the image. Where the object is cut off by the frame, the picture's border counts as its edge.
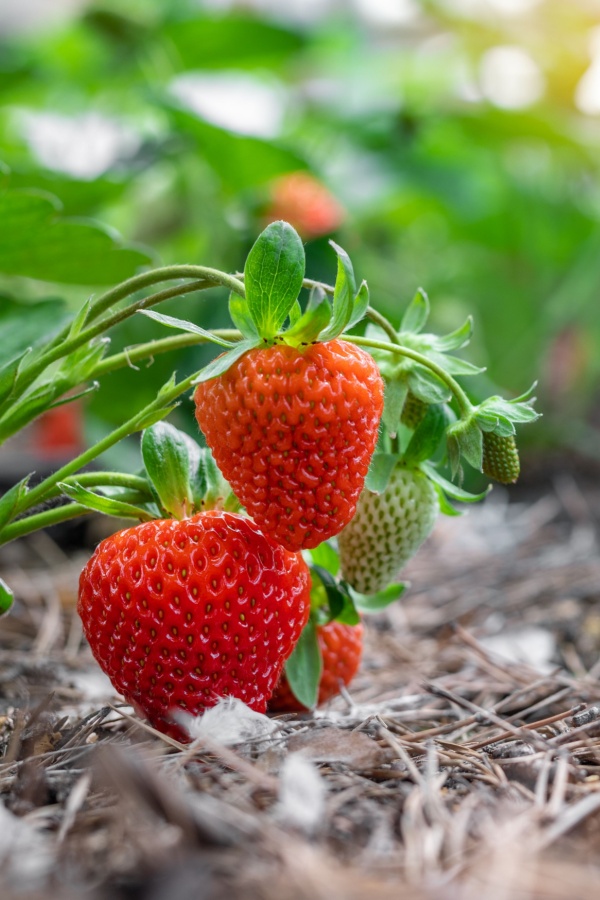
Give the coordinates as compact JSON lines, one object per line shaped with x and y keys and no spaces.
{"x":387,"y":530}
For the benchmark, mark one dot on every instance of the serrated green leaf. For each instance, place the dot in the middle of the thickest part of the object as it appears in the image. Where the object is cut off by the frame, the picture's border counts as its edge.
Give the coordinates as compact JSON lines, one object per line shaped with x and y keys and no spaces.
{"x":427,"y":436}
{"x":171,"y":459}
{"x":450,"y":489}
{"x":6,"y":597}
{"x":372,"y":603}
{"x":223,"y":362}
{"x":380,"y":472}
{"x":105,"y":505}
{"x":417,"y":313}
{"x":273,"y":277}
{"x":240,"y":316}
{"x":394,"y":397}
{"x":360,"y":306}
{"x":426,"y":385}
{"x":304,"y":667}
{"x":343,"y":295}
{"x":183,"y":325}
{"x":10,"y":501}
{"x":326,"y":556}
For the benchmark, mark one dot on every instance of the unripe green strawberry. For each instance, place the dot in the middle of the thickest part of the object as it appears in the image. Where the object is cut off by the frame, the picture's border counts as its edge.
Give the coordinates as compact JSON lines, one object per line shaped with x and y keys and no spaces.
{"x":181,"y":613}
{"x":293,"y":431}
{"x":341,"y":651}
{"x":387,"y":529}
{"x":413,"y":411}
{"x":500,"y":457}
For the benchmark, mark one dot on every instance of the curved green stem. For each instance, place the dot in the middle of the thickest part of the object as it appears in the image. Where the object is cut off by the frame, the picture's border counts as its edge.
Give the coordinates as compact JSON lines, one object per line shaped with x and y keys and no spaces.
{"x":464,"y":404}
{"x":384,"y":324}
{"x":42,"y":520}
{"x":138,"y":352}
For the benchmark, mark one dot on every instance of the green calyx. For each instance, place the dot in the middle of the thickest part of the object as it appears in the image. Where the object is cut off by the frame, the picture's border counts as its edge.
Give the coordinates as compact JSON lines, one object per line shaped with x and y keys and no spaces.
{"x":180,"y":479}
{"x":265,"y":306}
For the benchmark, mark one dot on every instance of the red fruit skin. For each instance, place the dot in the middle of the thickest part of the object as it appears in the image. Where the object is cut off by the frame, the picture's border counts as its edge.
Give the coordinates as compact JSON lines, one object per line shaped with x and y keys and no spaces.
{"x":181,"y":613}
{"x":293,"y":432}
{"x":341,"y":650}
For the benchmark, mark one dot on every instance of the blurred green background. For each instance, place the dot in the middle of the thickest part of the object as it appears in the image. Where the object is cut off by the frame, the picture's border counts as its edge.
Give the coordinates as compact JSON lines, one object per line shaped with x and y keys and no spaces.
{"x":448,"y":144}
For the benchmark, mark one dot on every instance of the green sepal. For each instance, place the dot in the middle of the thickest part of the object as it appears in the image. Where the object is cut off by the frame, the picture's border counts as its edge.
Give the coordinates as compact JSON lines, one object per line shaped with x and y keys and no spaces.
{"x":80,"y":319}
{"x":295,"y":312}
{"x":273,"y":277}
{"x":311,"y":323}
{"x":105,"y":505}
{"x":380,"y":471}
{"x":343,"y":296}
{"x":455,"y":339}
{"x":360,"y":306}
{"x":339,"y":600}
{"x":241,"y":318}
{"x":487,"y":421}
{"x":427,"y":436}
{"x":466,"y":438}
{"x":446,"y":507}
{"x":9,"y":373}
{"x":223,"y":362}
{"x":450,"y":489}
{"x":217,"y":492}
{"x":394,"y":397}
{"x":7,"y":597}
{"x":426,"y":385}
{"x":325,"y":556}
{"x":183,"y":325}
{"x":11,"y":500}
{"x":304,"y":667}
{"x":172,"y":460}
{"x":417,"y":313}
{"x":372,"y":603}
{"x":519,"y":411}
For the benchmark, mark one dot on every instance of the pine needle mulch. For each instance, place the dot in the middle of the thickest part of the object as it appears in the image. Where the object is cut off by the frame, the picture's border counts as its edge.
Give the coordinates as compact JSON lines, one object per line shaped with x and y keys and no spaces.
{"x":463,"y":764}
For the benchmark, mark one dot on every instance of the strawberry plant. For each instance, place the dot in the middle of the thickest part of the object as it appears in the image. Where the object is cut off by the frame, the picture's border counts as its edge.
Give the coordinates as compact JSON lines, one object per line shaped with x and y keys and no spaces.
{"x":317,"y":431}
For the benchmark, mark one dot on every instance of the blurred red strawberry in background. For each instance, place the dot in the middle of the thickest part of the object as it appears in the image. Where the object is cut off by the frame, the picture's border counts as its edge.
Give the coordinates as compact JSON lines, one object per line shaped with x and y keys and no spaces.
{"x":304,"y":202}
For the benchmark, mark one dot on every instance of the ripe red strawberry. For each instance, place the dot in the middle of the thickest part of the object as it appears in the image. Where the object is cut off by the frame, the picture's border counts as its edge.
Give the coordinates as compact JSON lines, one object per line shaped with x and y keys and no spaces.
{"x":293,"y":431}
{"x":341,"y":651}
{"x":181,"y":613}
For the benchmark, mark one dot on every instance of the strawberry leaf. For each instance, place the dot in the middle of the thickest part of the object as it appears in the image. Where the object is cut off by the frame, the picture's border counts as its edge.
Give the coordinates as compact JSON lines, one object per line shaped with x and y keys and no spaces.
{"x":172,"y":460}
{"x":427,"y":436}
{"x":303,"y":668}
{"x":371,"y":603}
{"x":6,"y":597}
{"x":343,"y":295}
{"x":380,"y":472}
{"x":10,"y":501}
{"x":339,"y":599}
{"x":105,"y":505}
{"x":183,"y":325}
{"x":417,"y":313}
{"x":326,"y":557}
{"x":273,"y":277}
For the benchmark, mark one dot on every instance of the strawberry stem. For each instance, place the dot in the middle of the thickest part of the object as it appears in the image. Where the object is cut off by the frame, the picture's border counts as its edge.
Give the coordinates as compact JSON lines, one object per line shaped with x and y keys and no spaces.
{"x":464,"y":404}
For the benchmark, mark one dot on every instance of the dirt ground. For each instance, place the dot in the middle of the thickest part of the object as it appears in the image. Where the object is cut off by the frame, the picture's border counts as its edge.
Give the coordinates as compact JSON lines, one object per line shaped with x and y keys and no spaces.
{"x":464,"y":763}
